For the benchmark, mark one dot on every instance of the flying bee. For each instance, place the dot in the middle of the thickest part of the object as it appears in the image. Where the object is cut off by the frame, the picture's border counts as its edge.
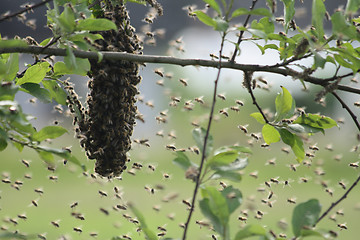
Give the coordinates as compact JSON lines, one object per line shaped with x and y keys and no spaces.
{"x":149,"y":189}
{"x":223,"y":184}
{"x":156,"y":208}
{"x":74,"y":204}
{"x":235,"y":108}
{"x":221,"y":96}
{"x":171,"y":147}
{"x":270,"y":195}
{"x":166,"y":176}
{"x":329,"y":191}
{"x":243,"y":219}
{"x":199,"y":99}
{"x":354,"y":164}
{"x":187,"y":203}
{"x":340,"y":212}
{"x":102,"y":193}
{"x":39,"y":191}
{"x":175,"y":99}
{"x":6,"y":180}
{"x":285,"y":150}
{"x":34,"y":202}
{"x":293,"y":167}
{"x":160,"y":119}
{"x":53,"y":178}
{"x":342,"y":226}
{"x":103,"y":210}
{"x":93,"y":234}
{"x":271,"y":162}
{"x":202,"y":223}
{"x":55,"y":223}
{"x":195,"y":124}
{"x":243,"y":128}
{"x":126,"y":237}
{"x":161,"y":234}
{"x":314,"y":147}
{"x":149,"y":104}
{"x":239,"y":102}
{"x":77,"y":229}
{"x":275,"y":180}
{"x":224,"y":112}
{"x":213,"y":56}
{"x":151,"y":167}
{"x":357,"y":104}
{"x":183,"y":82}
{"x":160,"y":133}
{"x":22,"y":216}
{"x":160,"y":82}
{"x":291,"y":200}
{"x":342,"y":184}
{"x":172,"y":135}
{"x":254,"y":174}
{"x":13,"y":221}
{"x":26,"y":163}
{"x":159,"y":72}
{"x":268,"y":184}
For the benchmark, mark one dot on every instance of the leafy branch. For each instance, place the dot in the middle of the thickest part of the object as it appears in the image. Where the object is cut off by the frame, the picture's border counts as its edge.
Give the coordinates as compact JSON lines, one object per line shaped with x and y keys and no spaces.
{"x":115,"y":56}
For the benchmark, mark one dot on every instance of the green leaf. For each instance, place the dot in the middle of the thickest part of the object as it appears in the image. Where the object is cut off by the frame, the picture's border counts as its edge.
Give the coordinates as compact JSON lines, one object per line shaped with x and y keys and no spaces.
{"x":241,"y":149}
{"x":12,"y":67}
{"x":298,"y":149}
{"x":258,"y":117}
{"x":289,"y":12}
{"x":223,"y":158}
{"x":67,"y":20}
{"x":50,"y":132}
{"x":12,"y":43}
{"x":316,"y":121}
{"x":63,"y":153}
{"x":214,"y":206}
{"x":233,"y":198}
{"x":56,"y":92}
{"x":214,"y":5}
{"x":284,"y":104}
{"x":145,"y":229}
{"x":198,"y":135}
{"x":203,"y":17}
{"x":238,"y":164}
{"x":352,"y":6}
{"x":250,"y":231}
{"x":35,"y":90}
{"x":70,"y":59}
{"x":83,"y":67}
{"x":305,"y":214}
{"x":3,"y":143}
{"x":183,"y":161}
{"x":95,"y":24}
{"x":220,"y":24}
{"x":257,"y":11}
{"x":229,"y":174}
{"x":270,"y":134}
{"x":303,"y":128}
{"x":35,"y":73}
{"x":287,"y":137}
{"x":8,"y":91}
{"x":318,"y":14}
{"x":342,"y":28}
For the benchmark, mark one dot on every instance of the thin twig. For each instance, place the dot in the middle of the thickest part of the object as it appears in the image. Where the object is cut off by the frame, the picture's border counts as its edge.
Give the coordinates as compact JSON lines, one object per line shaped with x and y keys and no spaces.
{"x":338,"y":201}
{"x":116,"y":56}
{"x":242,"y":32}
{"x":247,"y":80}
{"x":32,"y":7}
{"x":203,"y":154}
{"x":353,"y":116}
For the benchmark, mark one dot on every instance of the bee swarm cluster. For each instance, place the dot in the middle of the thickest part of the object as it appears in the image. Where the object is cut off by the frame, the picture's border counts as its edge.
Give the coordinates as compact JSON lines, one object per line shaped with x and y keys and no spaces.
{"x":107,"y":124}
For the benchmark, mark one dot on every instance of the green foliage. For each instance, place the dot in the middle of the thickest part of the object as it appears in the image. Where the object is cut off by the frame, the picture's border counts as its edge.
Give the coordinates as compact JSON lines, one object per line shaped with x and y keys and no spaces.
{"x":199,"y":137}
{"x":305,"y":215}
{"x":145,"y":229}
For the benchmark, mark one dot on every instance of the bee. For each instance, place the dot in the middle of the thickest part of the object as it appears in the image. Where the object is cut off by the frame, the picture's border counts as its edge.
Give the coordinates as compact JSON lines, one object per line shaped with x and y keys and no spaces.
{"x":183,"y":82}
{"x":32,"y":100}
{"x":285,"y":150}
{"x":261,"y":189}
{"x":6,"y":180}
{"x":102,"y":193}
{"x":161,"y":234}
{"x":27,"y":176}
{"x":239,"y":102}
{"x":310,"y":155}
{"x":224,"y":112}
{"x":171,"y":147}
{"x":166,"y":176}
{"x":126,"y":237}
{"x":271,"y":162}
{"x":22,"y":216}
{"x":176,"y":99}
{"x":221,"y":96}
{"x":126,"y":216}
{"x":93,"y":234}
{"x":340,"y":212}
{"x":149,"y":189}
{"x":39,"y":191}
{"x":187,"y":203}
{"x":329,"y":191}
{"x":342,"y":226}
{"x":254,"y":174}
{"x":243,"y":219}
{"x":26,"y":163}
{"x":77,"y":229}
{"x":160,"y":82}
{"x":213,"y":56}
{"x":172,"y":135}
{"x":161,"y":228}
{"x":74,"y":204}
{"x":55,"y":224}
{"x":354,"y":164}
{"x":160,"y":119}
{"x":199,"y":100}
{"x":268,"y":184}
{"x":274,"y":180}
{"x":293,"y":167}
{"x":13,"y":221}
{"x":357,"y":104}
{"x":213,"y":237}
{"x":148,"y":20}
{"x":291,"y":200}
{"x":314,"y":147}
{"x":223,"y":184}
{"x":160,"y":133}
{"x":235,"y":108}
{"x":282,"y":235}
{"x":243,"y":128}
{"x":270,"y":195}
{"x":156,"y":208}
{"x":53,"y":178}
{"x":34,"y":202}
{"x":149,"y":104}
{"x":329,"y":147}
{"x":255,"y":136}
{"x":151,"y":167}
{"x":41,"y":236}
{"x":342,"y":184}
{"x":159,"y":72}
{"x":319,"y":172}
{"x":202,"y":223}
{"x":195,"y":124}
{"x":103,"y":210}
{"x":303,"y":180}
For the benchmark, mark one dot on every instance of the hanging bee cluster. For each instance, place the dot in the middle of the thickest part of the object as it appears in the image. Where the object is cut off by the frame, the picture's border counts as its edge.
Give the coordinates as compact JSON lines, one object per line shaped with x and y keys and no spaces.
{"x":106,"y":126}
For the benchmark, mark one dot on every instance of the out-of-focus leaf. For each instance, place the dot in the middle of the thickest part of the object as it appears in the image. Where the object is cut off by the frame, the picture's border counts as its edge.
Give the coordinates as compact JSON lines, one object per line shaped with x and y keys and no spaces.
{"x":303,"y":128}
{"x":298,"y":149}
{"x":203,"y":17}
{"x":250,"y":231}
{"x":206,"y":210}
{"x":49,"y":132}
{"x":342,"y":28}
{"x":223,"y":158}
{"x":12,"y":67}
{"x":220,"y":24}
{"x":63,"y":153}
{"x":12,"y":43}
{"x":258,"y":117}
{"x":270,"y":134}
{"x":70,"y":59}
{"x":318,"y":14}
{"x":35,"y":90}
{"x":289,"y":12}
{"x":183,"y":161}
{"x":257,"y":11}
{"x":198,"y":135}
{"x":3,"y":143}
{"x":67,"y":20}
{"x":83,"y":67}
{"x":95,"y":24}
{"x":230,"y":175}
{"x":56,"y":92}
{"x":233,"y":198}
{"x":145,"y":229}
{"x":35,"y":73}
{"x":8,"y":91}
{"x":305,"y":214}
{"x":352,"y":6}
{"x":238,"y":164}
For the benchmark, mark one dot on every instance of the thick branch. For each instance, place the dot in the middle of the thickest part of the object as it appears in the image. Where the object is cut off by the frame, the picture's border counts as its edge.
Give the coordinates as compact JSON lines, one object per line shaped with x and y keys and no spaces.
{"x":116,"y":56}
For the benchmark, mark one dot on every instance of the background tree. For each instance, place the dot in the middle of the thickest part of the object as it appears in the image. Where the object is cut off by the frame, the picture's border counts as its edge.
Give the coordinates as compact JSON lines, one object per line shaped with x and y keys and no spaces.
{"x":228,"y":190}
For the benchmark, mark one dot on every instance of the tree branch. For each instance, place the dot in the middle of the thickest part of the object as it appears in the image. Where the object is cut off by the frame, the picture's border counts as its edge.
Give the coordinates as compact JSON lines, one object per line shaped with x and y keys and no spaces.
{"x":28,"y":8}
{"x":116,"y":56}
